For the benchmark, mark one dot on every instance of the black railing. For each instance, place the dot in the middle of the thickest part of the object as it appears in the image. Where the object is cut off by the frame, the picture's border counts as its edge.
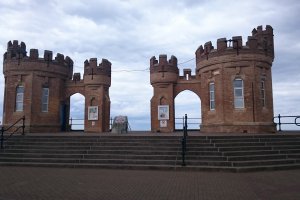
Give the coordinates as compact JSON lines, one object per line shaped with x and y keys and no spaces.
{"x":71,"y":123}
{"x":74,"y":122}
{"x":286,"y":120}
{"x":3,"y":129}
{"x":193,"y":122}
{"x":183,"y":141}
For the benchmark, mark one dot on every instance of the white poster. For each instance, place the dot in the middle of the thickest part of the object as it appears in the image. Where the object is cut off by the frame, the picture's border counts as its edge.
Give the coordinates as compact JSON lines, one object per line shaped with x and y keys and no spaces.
{"x":163,"y":123}
{"x":163,"y":112}
{"x":93,"y":113}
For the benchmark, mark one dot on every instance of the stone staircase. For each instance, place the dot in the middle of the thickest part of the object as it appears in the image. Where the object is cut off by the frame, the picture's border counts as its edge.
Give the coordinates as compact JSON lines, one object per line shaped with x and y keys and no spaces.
{"x":221,"y":153}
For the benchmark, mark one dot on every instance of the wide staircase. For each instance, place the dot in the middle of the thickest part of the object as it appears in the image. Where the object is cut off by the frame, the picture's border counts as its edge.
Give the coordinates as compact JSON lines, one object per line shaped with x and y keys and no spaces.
{"x":218,"y":153}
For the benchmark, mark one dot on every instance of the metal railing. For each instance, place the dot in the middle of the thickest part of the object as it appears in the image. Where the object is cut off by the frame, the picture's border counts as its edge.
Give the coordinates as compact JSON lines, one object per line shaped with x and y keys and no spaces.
{"x":71,"y":123}
{"x":3,"y":129}
{"x":183,"y":141}
{"x":286,"y":120}
{"x":192,"y":122}
{"x":82,"y":124}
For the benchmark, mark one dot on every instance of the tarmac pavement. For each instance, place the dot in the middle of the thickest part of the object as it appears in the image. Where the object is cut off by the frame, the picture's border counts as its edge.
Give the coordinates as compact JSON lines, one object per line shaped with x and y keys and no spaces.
{"x":30,"y":183}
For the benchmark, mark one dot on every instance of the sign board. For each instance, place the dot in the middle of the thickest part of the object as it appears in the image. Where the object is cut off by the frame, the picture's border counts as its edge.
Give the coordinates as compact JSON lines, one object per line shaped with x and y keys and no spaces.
{"x":163,"y":123}
{"x":93,"y":113}
{"x":163,"y":112}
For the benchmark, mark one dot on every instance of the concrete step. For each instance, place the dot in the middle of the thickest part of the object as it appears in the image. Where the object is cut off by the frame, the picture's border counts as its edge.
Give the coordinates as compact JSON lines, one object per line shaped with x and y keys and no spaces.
{"x":263,"y":162}
{"x":226,"y":153}
{"x":244,"y":148}
{"x":72,"y":151}
{"x":92,"y":161}
{"x":239,"y":144}
{"x":78,"y":143}
{"x":257,"y":157}
{"x":110,"y":156}
{"x":61,"y":147}
{"x":296,"y":156}
{"x":249,"y":153}
{"x":258,"y":136}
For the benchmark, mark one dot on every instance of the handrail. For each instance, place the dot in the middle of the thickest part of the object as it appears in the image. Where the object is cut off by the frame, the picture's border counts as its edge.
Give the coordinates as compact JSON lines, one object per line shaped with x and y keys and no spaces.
{"x":3,"y":130}
{"x":78,"y":123}
{"x":110,"y":123}
{"x":183,"y":141}
{"x":193,"y":119}
{"x":285,"y":123}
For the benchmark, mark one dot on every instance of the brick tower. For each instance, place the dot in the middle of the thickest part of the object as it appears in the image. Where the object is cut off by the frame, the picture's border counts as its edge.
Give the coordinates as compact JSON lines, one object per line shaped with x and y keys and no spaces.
{"x":242,"y":80}
{"x":40,"y":89}
{"x":97,"y":80}
{"x":233,"y":81}
{"x":163,"y":77}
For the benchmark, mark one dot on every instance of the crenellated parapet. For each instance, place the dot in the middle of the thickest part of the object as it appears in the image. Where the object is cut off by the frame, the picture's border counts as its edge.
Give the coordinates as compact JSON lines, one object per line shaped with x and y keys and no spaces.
{"x":261,"y":42}
{"x":163,"y":64}
{"x":91,"y":67}
{"x":97,"y":74}
{"x":16,"y":58}
{"x":163,"y":70}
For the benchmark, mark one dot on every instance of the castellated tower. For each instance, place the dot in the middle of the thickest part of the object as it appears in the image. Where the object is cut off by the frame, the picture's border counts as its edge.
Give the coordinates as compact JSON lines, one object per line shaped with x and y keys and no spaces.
{"x":39,"y":88}
{"x":237,"y":83}
{"x":97,"y":80}
{"x":167,"y":84}
{"x":163,"y":76}
{"x":234,"y":83}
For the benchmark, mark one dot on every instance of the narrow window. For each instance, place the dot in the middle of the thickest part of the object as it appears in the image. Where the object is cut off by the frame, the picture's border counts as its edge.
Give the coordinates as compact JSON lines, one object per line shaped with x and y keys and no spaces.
{"x":19,"y":98}
{"x":263,"y":93}
{"x":45,"y":99}
{"x":212,"y":96}
{"x":238,"y":93}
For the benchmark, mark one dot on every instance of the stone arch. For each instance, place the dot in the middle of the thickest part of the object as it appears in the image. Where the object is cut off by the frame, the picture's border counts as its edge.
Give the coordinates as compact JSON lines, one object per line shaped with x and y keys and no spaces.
{"x":71,"y":91}
{"x":187,"y":102}
{"x":190,"y":87}
{"x":77,"y":111}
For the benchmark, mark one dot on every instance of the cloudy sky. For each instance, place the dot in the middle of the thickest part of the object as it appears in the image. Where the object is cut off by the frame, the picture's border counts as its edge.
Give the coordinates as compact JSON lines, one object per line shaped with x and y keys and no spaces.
{"x":130,"y":32}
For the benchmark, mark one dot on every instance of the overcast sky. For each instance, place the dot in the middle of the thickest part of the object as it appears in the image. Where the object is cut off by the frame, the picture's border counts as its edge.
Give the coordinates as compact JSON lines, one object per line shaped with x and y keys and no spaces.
{"x":129,"y":32}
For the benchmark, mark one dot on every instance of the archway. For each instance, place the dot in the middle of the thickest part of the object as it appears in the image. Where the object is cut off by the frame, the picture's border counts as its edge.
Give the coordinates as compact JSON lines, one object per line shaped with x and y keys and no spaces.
{"x":77,"y":107}
{"x":187,"y":102}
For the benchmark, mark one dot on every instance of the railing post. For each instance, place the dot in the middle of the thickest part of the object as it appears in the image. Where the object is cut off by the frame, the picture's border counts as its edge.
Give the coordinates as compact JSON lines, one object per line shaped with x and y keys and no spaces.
{"x":297,"y":124}
{"x":279,"y":122}
{"x":2,"y":136}
{"x":23,"y":126}
{"x":183,"y":141}
{"x":185,"y":125}
{"x":71,"y":124}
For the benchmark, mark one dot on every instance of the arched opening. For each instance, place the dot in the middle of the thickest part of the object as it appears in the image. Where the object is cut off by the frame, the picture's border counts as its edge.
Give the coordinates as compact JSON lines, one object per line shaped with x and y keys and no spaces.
{"x":77,"y":107}
{"x":187,"y":102}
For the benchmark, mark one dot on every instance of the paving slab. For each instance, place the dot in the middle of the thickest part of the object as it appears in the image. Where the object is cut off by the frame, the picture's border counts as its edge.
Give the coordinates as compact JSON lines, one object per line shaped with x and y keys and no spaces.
{"x":30,"y":183}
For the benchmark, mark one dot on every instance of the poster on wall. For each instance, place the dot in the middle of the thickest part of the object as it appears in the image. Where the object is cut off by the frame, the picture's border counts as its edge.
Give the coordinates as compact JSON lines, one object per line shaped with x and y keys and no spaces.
{"x":93,"y":113}
{"x":163,"y":112}
{"x":163,"y":123}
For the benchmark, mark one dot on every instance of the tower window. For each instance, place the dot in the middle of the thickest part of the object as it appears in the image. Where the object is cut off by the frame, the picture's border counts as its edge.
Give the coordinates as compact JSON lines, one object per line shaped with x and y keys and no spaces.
{"x":238,"y":87}
{"x":19,"y":98}
{"x":45,"y":99}
{"x":212,"y":96}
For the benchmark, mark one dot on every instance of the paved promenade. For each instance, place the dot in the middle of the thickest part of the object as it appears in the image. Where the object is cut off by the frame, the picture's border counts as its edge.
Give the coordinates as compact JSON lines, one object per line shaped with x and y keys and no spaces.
{"x":25,"y":183}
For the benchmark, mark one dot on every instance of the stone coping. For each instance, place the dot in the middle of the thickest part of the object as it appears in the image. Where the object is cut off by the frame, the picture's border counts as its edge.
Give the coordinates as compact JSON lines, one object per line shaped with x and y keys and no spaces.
{"x":149,"y":133}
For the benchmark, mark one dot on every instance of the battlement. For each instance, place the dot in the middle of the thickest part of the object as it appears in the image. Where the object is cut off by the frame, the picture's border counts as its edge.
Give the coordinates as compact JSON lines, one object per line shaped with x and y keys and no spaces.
{"x":91,"y":67}
{"x":17,"y":52}
{"x":261,"y":42}
{"x":163,"y":64}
